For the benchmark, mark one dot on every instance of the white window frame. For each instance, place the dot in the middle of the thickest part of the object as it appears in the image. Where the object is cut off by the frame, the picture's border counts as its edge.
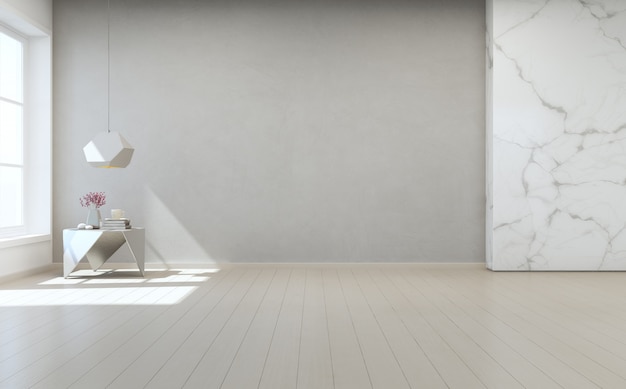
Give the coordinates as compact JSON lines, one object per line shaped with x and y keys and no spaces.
{"x":37,"y":125}
{"x":12,"y":231}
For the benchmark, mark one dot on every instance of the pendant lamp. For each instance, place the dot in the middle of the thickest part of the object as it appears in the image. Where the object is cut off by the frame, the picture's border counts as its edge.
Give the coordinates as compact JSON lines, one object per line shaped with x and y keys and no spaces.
{"x":108,"y":149}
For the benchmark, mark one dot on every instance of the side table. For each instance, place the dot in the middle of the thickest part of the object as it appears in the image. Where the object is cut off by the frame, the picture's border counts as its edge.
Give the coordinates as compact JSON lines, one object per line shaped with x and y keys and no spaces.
{"x":97,"y":246}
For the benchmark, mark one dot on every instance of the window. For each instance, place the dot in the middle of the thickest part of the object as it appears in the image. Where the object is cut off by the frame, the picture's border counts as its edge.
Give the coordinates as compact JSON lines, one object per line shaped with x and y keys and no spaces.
{"x":11,"y":133}
{"x":25,"y":129}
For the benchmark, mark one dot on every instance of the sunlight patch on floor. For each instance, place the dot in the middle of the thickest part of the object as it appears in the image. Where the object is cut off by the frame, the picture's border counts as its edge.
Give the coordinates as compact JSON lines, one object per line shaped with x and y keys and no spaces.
{"x":145,"y":295}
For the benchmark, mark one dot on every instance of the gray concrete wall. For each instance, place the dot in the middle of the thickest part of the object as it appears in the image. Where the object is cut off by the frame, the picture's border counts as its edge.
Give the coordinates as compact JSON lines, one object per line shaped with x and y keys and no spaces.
{"x":279,"y":131}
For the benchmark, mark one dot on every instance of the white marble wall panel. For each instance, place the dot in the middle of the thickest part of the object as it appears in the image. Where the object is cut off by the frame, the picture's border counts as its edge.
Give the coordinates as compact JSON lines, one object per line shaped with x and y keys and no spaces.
{"x":556,"y":96}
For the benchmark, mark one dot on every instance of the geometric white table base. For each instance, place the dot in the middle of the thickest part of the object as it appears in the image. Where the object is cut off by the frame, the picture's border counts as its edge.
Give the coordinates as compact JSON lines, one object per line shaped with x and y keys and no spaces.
{"x":97,"y":246}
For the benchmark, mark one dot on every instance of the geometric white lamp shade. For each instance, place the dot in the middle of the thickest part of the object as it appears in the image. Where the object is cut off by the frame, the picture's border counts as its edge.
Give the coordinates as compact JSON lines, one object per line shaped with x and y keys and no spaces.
{"x":108,"y":150}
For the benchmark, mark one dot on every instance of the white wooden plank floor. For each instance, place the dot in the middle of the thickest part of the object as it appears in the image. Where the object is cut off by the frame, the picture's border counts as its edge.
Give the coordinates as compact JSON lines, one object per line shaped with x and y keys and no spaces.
{"x":315,"y":326}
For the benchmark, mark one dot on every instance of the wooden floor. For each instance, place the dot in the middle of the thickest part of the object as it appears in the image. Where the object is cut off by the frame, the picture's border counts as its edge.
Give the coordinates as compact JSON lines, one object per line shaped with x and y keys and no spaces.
{"x":315,"y":326}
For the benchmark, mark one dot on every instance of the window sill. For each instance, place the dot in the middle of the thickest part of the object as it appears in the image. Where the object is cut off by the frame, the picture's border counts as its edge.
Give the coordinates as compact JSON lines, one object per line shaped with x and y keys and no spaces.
{"x":23,"y":240}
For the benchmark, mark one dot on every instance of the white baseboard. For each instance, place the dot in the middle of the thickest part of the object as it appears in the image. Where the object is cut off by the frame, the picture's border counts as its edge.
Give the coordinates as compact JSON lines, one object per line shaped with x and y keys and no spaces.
{"x":29,"y":272}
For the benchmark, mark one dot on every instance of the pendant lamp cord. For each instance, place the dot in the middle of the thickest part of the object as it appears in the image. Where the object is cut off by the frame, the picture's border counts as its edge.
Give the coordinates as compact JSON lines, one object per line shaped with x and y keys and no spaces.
{"x":109,"y":66}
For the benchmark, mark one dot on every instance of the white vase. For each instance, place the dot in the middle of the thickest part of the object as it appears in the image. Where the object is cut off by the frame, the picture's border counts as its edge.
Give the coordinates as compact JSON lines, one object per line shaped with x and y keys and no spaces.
{"x":93,"y":217}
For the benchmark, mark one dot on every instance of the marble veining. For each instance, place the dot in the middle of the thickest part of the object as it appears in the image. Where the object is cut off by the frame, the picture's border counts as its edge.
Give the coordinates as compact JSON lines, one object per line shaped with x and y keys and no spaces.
{"x":556,"y":135}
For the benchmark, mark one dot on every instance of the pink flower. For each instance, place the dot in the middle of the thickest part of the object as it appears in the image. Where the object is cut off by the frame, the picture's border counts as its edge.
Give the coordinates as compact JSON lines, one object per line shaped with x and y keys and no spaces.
{"x":93,"y":198}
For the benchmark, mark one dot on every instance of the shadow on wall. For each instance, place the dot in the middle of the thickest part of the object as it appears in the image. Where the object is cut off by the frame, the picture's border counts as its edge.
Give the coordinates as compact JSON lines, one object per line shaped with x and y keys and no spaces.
{"x":168,"y":239}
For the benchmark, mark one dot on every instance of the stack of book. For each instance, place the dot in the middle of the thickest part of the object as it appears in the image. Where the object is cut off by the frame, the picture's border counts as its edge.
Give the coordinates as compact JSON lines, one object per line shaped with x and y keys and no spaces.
{"x":116,"y":224}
